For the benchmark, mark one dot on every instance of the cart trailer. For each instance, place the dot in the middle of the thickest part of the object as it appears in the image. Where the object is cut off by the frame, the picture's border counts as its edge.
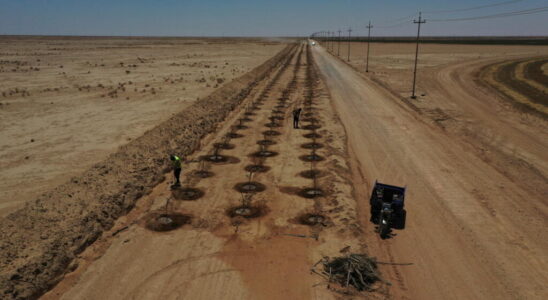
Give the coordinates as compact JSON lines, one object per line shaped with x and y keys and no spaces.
{"x":385,"y":196}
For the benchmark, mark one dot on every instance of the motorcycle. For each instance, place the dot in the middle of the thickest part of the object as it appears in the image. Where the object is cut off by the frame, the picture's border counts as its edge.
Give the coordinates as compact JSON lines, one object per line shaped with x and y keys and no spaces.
{"x":385,"y":220}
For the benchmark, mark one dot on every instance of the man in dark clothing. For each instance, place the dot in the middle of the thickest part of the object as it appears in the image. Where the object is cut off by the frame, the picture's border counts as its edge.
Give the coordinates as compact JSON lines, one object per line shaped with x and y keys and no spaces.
{"x":296,"y":116}
{"x":177,"y":167}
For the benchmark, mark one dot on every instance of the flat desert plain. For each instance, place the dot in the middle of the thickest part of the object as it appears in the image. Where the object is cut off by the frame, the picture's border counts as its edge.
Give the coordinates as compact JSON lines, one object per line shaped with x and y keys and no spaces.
{"x":68,"y":102}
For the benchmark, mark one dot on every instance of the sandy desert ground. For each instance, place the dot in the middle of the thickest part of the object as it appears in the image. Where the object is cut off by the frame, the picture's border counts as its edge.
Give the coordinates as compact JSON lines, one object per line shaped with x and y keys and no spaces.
{"x":475,"y":167}
{"x":66,"y":103}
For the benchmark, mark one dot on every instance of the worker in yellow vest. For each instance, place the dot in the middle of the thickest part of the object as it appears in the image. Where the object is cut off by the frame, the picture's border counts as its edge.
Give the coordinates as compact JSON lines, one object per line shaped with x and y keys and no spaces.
{"x":177,"y":168}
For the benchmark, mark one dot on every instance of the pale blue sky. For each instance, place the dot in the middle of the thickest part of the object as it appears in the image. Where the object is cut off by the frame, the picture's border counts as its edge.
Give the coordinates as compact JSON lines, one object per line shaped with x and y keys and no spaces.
{"x":258,"y":17}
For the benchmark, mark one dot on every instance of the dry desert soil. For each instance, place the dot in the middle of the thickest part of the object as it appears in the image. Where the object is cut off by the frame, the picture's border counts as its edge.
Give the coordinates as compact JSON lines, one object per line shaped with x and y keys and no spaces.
{"x":67,"y":103}
{"x":473,"y":156}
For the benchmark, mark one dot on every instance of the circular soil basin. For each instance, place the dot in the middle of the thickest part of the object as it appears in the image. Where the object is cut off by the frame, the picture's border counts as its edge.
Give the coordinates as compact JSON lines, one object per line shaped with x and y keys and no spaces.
{"x":311,"y":157}
{"x":276,"y":118}
{"x":266,"y":142}
{"x":247,"y":212}
{"x":250,"y":187}
{"x":312,"y":135}
{"x":216,"y":158}
{"x":166,"y":221}
{"x":225,"y":146}
{"x":257,"y":168}
{"x":311,"y":193}
{"x":248,"y":113}
{"x":187,"y":194}
{"x":308,"y":114}
{"x":278,"y":107}
{"x":265,"y":153}
{"x":272,"y":125}
{"x":277,"y":111}
{"x":312,"y":219}
{"x":312,"y":127}
{"x":240,"y":127}
{"x":311,"y":174}
{"x":271,"y":133}
{"x":311,"y":120}
{"x":234,"y":135}
{"x":246,"y":119}
{"x":312,"y":146}
{"x":202,"y":174}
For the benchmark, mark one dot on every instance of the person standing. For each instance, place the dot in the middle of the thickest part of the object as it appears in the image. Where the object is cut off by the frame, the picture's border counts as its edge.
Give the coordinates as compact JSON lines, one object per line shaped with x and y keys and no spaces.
{"x":296,"y":116}
{"x":177,"y":168}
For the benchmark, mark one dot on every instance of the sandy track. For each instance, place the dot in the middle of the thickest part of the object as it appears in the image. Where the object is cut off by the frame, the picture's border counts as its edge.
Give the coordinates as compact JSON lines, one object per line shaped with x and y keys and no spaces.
{"x":216,"y":256}
{"x":470,"y":235}
{"x":521,"y":81}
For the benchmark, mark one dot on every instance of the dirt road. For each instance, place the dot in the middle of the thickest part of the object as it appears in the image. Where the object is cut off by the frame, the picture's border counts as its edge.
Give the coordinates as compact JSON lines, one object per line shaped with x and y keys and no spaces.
{"x":473,"y":233}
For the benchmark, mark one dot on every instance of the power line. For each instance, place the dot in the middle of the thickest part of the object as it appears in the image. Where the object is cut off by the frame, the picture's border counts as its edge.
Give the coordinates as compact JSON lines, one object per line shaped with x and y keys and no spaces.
{"x":444,"y":11}
{"x":405,"y":18}
{"x":500,"y":15}
{"x":409,"y":19}
{"x":396,"y":25}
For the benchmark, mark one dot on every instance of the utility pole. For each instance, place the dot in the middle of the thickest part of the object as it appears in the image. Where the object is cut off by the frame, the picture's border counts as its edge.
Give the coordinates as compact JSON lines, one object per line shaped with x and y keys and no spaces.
{"x":419,"y":22}
{"x":368,"y":41}
{"x":349,"y":31}
{"x":330,"y":42}
{"x":339,"y":47}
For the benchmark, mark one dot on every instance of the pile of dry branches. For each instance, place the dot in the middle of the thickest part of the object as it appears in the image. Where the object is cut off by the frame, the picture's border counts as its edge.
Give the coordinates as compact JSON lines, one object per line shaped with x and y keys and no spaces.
{"x":357,"y":270}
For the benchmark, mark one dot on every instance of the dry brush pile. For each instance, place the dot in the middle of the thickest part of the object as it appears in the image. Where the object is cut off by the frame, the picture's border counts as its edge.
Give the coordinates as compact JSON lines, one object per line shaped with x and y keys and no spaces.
{"x":357,"y":270}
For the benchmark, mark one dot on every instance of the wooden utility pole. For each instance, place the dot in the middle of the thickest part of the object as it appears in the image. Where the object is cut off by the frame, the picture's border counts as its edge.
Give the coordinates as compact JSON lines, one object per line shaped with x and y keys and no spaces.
{"x":332,"y":41}
{"x":339,"y":47}
{"x":368,"y":41}
{"x":419,"y":22}
{"x":349,"y":31}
